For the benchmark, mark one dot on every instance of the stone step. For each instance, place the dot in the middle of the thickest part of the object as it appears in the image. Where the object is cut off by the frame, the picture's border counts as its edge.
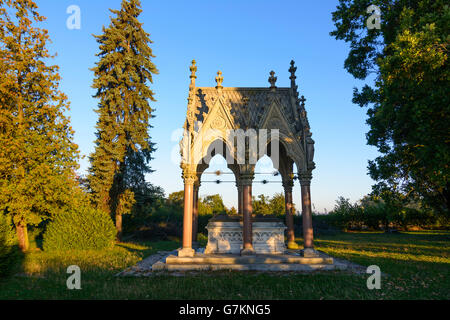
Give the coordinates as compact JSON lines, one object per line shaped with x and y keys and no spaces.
{"x":247,"y":267}
{"x":200,"y":259}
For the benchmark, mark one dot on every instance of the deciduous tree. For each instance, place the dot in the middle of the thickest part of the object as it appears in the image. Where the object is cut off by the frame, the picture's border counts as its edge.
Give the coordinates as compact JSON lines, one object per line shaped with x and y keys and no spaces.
{"x":37,"y":153}
{"x":408,"y":104}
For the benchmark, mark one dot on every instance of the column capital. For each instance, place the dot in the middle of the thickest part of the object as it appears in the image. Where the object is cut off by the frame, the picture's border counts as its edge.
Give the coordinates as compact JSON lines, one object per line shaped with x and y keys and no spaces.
{"x":189,"y":177}
{"x":305,"y":178}
{"x":247,"y":174}
{"x":189,"y":173}
{"x":287,"y":184}
{"x":246,"y":179}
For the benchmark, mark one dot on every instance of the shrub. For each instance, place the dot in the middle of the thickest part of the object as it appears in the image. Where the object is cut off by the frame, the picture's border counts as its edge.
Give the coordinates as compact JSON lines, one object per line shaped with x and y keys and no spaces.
{"x":374,"y":215}
{"x":80,"y":228}
{"x":9,"y":253}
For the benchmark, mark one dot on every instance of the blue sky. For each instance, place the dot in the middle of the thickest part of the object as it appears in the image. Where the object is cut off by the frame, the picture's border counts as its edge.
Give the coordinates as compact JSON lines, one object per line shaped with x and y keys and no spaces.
{"x":245,"y":40}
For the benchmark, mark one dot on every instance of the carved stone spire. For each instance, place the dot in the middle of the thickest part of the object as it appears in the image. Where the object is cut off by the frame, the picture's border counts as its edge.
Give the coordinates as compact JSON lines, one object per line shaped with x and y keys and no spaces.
{"x":294,"y":95}
{"x":219,"y":80}
{"x":303,"y":114}
{"x":272,"y":79}
{"x":190,"y":115}
{"x":193,"y":69}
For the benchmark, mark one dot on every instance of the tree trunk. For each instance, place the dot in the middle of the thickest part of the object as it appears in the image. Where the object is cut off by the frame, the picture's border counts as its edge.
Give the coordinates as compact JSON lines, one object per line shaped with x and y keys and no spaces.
{"x":119,"y":226}
{"x":22,"y":236}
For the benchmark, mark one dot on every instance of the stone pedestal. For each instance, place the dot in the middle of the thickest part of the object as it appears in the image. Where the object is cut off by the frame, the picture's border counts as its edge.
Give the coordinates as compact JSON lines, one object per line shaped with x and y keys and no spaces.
{"x":186,"y":252}
{"x":309,"y":253}
{"x":225,"y":236}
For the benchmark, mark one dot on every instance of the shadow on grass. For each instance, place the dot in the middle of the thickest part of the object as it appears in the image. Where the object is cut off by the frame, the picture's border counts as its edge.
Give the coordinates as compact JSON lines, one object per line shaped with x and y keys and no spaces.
{"x":147,"y":248}
{"x":396,"y":254}
{"x":408,"y":279}
{"x":11,"y":259}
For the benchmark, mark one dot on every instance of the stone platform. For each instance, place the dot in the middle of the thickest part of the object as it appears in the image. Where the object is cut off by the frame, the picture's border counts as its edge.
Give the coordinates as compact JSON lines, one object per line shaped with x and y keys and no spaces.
{"x":290,"y":261}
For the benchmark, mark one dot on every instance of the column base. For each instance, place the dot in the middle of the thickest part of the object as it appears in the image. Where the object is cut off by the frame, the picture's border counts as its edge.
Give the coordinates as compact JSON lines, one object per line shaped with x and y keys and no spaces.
{"x":248,"y":252}
{"x":309,"y":253}
{"x":186,"y":252}
{"x":292,"y":245}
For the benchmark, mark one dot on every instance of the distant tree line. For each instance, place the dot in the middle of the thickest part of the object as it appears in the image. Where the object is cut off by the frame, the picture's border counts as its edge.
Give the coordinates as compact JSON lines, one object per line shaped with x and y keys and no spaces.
{"x":373,"y":213}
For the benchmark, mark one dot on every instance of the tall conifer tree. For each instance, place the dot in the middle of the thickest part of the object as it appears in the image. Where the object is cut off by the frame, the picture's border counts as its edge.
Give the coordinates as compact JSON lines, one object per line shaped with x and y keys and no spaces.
{"x":122,"y":76}
{"x":37,"y":154}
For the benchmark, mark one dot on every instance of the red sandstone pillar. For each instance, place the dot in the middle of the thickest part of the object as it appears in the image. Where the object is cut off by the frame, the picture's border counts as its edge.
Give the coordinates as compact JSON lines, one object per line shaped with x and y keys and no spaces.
{"x":187,"y":250}
{"x":240,"y":199}
{"x":289,"y":207}
{"x":247,"y":217}
{"x":305,"y":181}
{"x":195,"y":214}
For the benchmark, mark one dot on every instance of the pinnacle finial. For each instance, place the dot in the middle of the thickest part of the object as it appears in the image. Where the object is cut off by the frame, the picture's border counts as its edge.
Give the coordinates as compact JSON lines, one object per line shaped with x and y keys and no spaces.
{"x":292,"y":70}
{"x":302,"y":101}
{"x":272,"y":79}
{"x":219,"y":80}
{"x":193,"y":69}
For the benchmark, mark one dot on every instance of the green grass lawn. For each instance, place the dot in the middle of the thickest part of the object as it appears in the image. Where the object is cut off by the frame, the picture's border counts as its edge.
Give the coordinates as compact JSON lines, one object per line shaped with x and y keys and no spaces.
{"x":417,"y":265}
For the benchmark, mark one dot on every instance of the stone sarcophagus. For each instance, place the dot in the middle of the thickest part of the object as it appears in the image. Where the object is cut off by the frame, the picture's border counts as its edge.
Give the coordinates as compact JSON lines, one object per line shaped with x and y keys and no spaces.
{"x":225,"y":235}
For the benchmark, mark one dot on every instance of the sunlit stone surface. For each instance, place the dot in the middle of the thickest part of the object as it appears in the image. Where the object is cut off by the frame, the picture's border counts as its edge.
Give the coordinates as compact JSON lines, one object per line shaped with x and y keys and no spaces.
{"x":225,"y":235}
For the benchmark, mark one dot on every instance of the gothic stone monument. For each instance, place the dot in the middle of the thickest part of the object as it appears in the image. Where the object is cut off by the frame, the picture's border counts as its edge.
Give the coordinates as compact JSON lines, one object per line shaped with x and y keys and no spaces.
{"x":214,"y":115}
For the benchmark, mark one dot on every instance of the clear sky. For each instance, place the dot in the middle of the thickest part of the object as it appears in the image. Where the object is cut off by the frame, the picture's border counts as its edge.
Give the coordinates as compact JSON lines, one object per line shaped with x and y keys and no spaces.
{"x":245,"y":39}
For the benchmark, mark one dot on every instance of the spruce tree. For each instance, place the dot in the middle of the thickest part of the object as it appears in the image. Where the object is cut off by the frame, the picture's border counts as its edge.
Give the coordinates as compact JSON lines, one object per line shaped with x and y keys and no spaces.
{"x":122,"y":76}
{"x":37,"y":153}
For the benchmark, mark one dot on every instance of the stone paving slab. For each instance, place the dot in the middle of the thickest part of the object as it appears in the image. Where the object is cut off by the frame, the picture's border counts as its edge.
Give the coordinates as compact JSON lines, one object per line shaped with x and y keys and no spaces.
{"x":144,"y":266}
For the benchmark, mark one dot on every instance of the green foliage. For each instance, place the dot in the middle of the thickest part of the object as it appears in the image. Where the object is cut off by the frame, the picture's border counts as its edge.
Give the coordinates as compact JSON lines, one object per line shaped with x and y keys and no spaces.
{"x":409,"y":104}
{"x":176,"y":198}
{"x":212,"y":204}
{"x":264,"y":205}
{"x":83,"y":227}
{"x":375,"y":214}
{"x":37,"y":155}
{"x":261,"y":205}
{"x":8,"y":246}
{"x":277,"y":204}
{"x":149,"y":200}
{"x":123,"y":147}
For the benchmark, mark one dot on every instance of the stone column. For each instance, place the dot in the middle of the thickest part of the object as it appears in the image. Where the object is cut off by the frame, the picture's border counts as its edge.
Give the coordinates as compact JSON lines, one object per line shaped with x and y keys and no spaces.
{"x":247,"y":234}
{"x":195,"y":216}
{"x":240,"y":198}
{"x":289,"y":207}
{"x":187,"y":250}
{"x":305,"y":182}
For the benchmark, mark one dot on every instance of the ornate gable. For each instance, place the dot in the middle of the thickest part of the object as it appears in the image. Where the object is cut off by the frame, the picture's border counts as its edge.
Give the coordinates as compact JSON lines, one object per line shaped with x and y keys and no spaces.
{"x":228,"y":108}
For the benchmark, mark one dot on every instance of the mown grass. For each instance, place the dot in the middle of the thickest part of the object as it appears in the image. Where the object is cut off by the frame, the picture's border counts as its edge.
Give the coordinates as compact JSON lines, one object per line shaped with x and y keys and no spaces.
{"x":416,"y":265}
